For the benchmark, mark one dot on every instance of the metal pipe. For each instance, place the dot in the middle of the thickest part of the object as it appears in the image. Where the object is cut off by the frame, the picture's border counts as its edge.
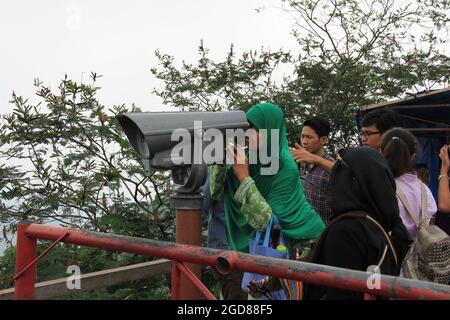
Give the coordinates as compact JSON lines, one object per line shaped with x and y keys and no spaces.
{"x":394,"y":287}
{"x":175,"y":281}
{"x":25,"y":254}
{"x":41,"y":255}
{"x":146,"y":247}
{"x":188,"y":231}
{"x":196,"y":281}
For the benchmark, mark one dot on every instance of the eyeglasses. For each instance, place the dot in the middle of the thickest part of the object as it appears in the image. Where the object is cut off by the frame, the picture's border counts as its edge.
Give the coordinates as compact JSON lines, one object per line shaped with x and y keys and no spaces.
{"x":368,"y":133}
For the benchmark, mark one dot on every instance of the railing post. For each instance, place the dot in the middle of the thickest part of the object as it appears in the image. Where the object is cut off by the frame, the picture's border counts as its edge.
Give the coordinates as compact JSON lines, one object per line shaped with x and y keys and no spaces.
{"x":188,"y":231}
{"x":188,"y":202}
{"x":25,"y":254}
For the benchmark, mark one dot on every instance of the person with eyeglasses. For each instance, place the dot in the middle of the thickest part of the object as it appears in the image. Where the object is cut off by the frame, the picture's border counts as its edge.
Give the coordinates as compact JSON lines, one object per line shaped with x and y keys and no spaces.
{"x":375,"y":123}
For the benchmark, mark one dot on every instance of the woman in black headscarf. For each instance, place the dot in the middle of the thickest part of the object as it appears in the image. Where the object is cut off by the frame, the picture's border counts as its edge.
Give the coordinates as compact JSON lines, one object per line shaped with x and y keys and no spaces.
{"x":361,"y":185}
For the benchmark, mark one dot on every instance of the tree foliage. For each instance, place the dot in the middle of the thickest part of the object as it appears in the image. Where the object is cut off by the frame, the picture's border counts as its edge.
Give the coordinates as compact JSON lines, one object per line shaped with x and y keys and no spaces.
{"x":66,"y":161}
{"x":350,"y":53}
{"x":69,"y":162}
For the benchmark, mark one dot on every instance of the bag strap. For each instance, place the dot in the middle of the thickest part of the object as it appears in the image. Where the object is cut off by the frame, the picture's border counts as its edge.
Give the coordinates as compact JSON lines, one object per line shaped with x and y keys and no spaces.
{"x":361,"y":214}
{"x":424,"y":201}
{"x":401,"y":195}
{"x":424,"y":204}
{"x":388,"y":239}
{"x":267,"y":232}
{"x":273,"y":220}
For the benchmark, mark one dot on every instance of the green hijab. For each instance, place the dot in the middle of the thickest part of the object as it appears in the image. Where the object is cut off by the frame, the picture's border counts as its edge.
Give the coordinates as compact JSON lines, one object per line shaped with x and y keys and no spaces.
{"x":283,"y":190}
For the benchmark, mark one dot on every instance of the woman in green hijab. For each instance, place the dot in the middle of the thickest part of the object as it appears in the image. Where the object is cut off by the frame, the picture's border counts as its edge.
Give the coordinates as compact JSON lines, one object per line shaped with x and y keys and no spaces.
{"x":251,"y":195}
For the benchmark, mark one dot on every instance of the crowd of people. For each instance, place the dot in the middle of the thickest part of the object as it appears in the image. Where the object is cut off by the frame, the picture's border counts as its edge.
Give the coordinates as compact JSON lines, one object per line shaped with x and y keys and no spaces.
{"x":356,"y":210}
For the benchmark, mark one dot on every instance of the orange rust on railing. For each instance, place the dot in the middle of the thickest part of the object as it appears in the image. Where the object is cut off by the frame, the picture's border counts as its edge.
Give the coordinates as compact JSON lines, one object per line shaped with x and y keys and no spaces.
{"x":225,"y":261}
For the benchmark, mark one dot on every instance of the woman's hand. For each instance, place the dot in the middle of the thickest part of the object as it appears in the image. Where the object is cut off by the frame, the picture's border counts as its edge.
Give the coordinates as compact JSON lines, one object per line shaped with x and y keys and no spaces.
{"x":239,"y":161}
{"x":443,"y":154}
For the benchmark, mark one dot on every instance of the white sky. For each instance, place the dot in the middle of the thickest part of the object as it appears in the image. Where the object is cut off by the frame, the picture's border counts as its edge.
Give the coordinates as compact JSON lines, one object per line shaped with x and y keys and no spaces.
{"x":117,"y":39}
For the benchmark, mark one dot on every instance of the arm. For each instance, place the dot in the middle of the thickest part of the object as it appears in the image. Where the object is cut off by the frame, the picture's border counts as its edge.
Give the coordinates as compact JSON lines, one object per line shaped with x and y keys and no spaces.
{"x":444,"y":190}
{"x":301,"y":155}
{"x":324,"y":163}
{"x":255,"y":208}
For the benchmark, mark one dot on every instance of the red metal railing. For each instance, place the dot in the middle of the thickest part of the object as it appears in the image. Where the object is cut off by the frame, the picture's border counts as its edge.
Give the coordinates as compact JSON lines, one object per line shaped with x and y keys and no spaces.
{"x":224,"y":261}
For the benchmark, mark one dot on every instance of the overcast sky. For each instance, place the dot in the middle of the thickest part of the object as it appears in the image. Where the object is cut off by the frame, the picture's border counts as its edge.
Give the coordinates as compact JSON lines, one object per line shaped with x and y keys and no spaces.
{"x":117,"y":39}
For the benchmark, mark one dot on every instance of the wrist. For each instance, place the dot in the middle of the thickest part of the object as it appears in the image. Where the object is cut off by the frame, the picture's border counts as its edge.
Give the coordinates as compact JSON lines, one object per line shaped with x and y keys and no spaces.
{"x":242,"y":177}
{"x":318,"y":160}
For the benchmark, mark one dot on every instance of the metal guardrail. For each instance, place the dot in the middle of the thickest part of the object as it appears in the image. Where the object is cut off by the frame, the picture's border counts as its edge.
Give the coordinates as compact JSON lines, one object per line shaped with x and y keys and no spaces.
{"x":225,"y":261}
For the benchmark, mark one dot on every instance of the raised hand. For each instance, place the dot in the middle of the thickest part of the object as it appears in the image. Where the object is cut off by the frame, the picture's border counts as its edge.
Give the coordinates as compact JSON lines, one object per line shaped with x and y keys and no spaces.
{"x":301,"y":155}
{"x":239,"y":161}
{"x":443,"y":154}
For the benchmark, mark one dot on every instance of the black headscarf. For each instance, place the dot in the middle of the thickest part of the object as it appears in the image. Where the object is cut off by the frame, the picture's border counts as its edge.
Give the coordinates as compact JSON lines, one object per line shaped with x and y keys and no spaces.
{"x":362,"y":181}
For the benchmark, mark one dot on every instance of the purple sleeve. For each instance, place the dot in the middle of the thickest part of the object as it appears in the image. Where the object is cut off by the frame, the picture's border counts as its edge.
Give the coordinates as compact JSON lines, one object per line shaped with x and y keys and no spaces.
{"x":431,"y":202}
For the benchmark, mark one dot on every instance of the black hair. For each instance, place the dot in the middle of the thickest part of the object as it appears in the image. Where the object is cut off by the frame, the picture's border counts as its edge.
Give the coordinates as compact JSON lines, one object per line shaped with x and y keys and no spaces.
{"x":418,"y":166}
{"x":320,"y":125}
{"x":383,"y":119}
{"x":422,"y":172}
{"x":398,"y":147}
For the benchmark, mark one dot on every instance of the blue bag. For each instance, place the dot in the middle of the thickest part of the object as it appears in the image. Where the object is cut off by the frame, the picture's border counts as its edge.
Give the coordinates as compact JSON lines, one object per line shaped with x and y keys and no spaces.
{"x":254,"y":283}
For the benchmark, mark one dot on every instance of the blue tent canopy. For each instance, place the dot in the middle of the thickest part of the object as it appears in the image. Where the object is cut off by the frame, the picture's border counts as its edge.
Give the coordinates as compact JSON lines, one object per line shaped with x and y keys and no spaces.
{"x":427,"y":116}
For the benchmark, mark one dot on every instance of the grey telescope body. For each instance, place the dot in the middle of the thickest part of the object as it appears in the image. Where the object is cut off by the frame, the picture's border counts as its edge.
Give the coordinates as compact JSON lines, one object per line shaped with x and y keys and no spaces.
{"x":150,"y":133}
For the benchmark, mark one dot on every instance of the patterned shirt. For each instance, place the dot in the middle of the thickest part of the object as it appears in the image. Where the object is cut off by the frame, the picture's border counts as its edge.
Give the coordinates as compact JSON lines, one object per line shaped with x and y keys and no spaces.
{"x":255,"y":208}
{"x":316,"y":186}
